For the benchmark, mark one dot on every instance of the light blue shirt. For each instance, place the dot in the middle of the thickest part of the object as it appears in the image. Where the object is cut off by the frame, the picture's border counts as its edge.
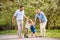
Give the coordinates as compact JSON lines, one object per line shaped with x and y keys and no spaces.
{"x":19,"y":15}
{"x":41,"y":16}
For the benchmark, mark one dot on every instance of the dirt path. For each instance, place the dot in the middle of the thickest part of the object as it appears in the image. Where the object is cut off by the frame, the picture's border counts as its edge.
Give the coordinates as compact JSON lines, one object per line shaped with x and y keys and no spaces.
{"x":15,"y":37}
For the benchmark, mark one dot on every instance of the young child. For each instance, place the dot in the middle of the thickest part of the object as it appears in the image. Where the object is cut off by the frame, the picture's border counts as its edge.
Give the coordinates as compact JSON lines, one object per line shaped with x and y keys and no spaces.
{"x":32,"y":28}
{"x":29,"y":25}
{"x":27,"y":28}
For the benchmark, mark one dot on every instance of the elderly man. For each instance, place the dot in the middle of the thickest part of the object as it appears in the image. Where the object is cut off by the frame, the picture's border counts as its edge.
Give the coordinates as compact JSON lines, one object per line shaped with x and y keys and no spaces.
{"x":43,"y":21}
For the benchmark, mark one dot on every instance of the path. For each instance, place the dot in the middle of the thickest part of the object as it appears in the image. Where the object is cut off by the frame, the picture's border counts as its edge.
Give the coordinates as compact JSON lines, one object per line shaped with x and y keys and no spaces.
{"x":15,"y":37}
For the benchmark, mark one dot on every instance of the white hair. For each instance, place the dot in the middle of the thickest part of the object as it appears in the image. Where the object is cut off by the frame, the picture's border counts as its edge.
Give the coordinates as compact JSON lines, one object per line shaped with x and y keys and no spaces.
{"x":38,"y":10}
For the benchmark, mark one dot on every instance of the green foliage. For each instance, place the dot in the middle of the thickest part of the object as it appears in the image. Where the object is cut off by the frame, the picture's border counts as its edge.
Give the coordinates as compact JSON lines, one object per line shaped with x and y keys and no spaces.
{"x":50,"y":8}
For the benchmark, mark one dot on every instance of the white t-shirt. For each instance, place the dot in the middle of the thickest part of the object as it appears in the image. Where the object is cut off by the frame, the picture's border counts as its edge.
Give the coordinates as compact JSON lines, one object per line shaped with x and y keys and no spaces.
{"x":27,"y":25}
{"x":19,"y":15}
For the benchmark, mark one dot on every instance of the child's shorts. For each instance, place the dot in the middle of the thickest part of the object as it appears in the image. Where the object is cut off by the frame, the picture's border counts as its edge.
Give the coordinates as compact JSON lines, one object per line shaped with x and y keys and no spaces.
{"x":33,"y":30}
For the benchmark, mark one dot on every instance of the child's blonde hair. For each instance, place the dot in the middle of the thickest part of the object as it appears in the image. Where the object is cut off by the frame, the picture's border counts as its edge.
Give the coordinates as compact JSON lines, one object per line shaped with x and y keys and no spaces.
{"x":30,"y":21}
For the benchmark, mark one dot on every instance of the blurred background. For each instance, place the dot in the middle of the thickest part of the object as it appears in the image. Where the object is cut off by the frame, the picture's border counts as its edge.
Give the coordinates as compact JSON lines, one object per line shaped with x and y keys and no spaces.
{"x":51,"y":8}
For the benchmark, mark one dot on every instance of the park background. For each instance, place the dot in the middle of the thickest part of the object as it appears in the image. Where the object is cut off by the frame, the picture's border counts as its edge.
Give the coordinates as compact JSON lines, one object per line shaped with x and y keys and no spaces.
{"x":51,"y":8}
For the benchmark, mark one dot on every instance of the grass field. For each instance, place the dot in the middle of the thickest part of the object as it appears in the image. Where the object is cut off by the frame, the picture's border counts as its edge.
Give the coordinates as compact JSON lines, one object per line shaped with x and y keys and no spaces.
{"x":50,"y":33}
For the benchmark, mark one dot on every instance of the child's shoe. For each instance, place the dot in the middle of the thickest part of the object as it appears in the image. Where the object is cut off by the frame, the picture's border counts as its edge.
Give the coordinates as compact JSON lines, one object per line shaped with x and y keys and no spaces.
{"x":25,"y":36}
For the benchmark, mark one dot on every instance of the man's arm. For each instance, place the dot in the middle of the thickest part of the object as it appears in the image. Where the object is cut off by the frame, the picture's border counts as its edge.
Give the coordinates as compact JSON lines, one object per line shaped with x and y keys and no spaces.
{"x":14,"y":16}
{"x":13,"y":19}
{"x":25,"y":17}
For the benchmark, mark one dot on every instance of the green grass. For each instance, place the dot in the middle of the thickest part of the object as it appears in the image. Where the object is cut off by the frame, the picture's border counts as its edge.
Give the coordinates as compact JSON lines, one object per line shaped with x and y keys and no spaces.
{"x":8,"y":32}
{"x":50,"y":33}
{"x":53,"y":33}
